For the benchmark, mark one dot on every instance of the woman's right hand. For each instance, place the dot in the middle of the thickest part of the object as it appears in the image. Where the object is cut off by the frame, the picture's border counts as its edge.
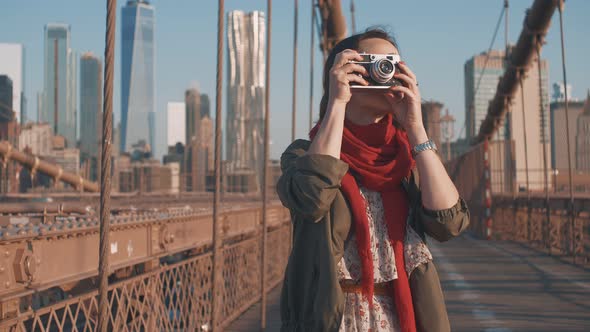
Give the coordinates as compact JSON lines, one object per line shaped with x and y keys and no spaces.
{"x":343,"y":73}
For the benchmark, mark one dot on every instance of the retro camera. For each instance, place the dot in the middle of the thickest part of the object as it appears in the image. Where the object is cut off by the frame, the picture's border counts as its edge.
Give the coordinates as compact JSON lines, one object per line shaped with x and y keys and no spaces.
{"x":381,"y":68}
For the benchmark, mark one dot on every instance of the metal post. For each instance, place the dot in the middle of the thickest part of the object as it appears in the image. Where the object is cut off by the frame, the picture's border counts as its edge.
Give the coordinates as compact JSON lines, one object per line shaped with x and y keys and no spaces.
{"x":524,"y":132}
{"x":544,"y":138}
{"x":506,"y":6}
{"x":352,"y":18}
{"x":265,"y":169}
{"x":311,"y":60}
{"x":293,"y":117}
{"x":507,"y":102}
{"x":526,"y":155}
{"x":567,"y":129}
{"x":55,"y":88}
{"x":105,"y":179}
{"x":217,"y":250}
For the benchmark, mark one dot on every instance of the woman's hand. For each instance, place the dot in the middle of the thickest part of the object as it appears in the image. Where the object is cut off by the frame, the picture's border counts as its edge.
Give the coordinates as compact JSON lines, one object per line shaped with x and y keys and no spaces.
{"x":407,"y":104}
{"x":342,"y":74}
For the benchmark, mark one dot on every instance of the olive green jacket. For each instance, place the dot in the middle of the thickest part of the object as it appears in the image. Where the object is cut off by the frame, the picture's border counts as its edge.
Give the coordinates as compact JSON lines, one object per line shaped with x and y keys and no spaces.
{"x":311,"y":299}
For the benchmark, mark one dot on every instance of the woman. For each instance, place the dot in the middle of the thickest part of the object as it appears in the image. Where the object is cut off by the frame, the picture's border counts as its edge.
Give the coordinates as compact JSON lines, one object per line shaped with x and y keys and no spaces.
{"x":359,"y":260}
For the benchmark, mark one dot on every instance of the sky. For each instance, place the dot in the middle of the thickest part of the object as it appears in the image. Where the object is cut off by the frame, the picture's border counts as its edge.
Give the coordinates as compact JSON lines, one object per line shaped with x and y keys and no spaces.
{"x":436,"y":38}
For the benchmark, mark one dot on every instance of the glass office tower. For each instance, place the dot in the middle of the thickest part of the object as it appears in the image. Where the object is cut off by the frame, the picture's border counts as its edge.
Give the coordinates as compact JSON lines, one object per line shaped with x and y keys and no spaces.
{"x":60,"y":82}
{"x":137,"y":73}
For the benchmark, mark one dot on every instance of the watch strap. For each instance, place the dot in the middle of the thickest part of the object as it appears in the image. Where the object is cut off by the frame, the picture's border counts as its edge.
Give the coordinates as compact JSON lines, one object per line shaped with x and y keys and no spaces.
{"x":428,"y":145}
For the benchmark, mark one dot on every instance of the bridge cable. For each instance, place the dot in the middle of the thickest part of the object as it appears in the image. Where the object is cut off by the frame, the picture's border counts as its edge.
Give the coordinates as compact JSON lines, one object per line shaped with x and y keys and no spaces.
{"x":352,"y":17}
{"x":105,"y":175}
{"x":294,"y":102}
{"x":265,"y":188}
{"x":539,"y":42}
{"x":217,"y":241}
{"x":484,"y":67}
{"x":311,"y":63}
{"x":567,"y":129}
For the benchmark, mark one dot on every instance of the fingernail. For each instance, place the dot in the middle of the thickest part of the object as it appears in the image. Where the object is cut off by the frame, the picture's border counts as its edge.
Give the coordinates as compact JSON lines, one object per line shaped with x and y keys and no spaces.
{"x":402,"y":62}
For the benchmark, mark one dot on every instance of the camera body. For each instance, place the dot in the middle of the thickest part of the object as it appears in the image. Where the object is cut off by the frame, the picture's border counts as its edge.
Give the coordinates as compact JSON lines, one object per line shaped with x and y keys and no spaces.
{"x":381,"y":68}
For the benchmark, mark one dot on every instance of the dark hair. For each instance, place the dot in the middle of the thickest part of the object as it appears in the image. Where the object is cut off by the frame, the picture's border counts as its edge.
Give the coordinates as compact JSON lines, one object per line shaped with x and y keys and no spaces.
{"x":352,"y":43}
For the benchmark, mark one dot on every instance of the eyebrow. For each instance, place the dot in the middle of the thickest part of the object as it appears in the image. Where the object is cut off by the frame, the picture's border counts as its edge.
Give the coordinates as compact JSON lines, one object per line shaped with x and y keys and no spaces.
{"x":363,"y":51}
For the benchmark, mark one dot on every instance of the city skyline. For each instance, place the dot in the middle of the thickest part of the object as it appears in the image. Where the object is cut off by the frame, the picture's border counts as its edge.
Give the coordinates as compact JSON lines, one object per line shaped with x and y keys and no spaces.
{"x":12,"y":64}
{"x":438,"y":64}
{"x":137,"y":74}
{"x":90,"y":104}
{"x":60,"y":100}
{"x":246,"y":36}
{"x":175,"y":123}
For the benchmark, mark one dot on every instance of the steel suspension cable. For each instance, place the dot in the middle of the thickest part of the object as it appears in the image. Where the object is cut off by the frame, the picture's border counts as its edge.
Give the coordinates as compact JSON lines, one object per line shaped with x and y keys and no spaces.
{"x":311,"y":63}
{"x":294,"y":102}
{"x":484,"y":68}
{"x":539,"y":42}
{"x":265,"y":169}
{"x":105,"y":177}
{"x":567,"y":129}
{"x":217,"y":250}
{"x":524,"y":132}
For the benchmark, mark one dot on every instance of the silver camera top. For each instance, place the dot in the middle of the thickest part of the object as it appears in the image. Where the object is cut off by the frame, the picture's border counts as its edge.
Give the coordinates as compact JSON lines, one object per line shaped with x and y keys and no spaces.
{"x":381,"y":68}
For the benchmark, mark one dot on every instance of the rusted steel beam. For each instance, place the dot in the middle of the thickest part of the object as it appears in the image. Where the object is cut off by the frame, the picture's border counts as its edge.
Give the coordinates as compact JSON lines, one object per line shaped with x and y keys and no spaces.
{"x":37,"y":165}
{"x":39,"y":256}
{"x":536,"y":23}
{"x":40,"y":207}
{"x":333,"y":24}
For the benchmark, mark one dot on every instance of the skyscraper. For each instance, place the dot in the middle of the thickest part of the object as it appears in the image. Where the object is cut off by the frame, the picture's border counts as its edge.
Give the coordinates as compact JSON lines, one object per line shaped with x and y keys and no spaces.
{"x":60,"y":82}
{"x":559,"y":135}
{"x":536,"y":125}
{"x":583,"y":138}
{"x":8,"y":132}
{"x":477,"y":98}
{"x":431,"y":113}
{"x":12,"y":64}
{"x":90,"y":104}
{"x":205,"y":105}
{"x":192,"y":101}
{"x":90,"y":111}
{"x":245,"y":98}
{"x":6,"y":98}
{"x":176,"y":123}
{"x":137,"y":74}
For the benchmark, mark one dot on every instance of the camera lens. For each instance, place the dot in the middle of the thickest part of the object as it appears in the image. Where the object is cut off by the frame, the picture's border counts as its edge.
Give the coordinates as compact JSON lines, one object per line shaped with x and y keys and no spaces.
{"x":386,"y":67}
{"x":382,"y":70}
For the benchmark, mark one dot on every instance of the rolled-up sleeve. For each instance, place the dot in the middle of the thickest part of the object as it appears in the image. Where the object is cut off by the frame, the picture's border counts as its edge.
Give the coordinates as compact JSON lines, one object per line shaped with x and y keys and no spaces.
{"x":309,"y":182}
{"x":446,"y":224}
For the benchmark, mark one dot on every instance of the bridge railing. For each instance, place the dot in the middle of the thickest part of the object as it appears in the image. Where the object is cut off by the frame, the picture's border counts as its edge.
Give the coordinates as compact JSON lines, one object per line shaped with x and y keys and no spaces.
{"x":548,"y":225}
{"x":171,"y":291}
{"x":504,"y":206}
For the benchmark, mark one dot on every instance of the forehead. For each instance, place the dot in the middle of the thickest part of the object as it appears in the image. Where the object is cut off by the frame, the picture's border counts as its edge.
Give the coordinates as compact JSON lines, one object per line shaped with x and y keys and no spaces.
{"x":377,"y":45}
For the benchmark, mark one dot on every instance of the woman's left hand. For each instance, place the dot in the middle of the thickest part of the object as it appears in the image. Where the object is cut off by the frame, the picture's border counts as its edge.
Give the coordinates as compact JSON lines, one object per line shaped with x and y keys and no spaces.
{"x":405,"y":100}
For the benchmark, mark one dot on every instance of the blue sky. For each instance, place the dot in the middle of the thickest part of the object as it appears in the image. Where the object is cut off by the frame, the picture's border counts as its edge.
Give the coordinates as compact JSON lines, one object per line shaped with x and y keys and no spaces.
{"x":435,"y":37}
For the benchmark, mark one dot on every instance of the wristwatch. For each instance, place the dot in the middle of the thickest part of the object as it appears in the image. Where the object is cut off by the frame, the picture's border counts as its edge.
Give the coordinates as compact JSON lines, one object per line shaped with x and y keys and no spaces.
{"x":428,"y":145}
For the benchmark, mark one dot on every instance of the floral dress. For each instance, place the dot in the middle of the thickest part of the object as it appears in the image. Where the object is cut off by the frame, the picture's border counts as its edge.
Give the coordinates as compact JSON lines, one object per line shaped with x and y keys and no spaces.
{"x":358,"y":317}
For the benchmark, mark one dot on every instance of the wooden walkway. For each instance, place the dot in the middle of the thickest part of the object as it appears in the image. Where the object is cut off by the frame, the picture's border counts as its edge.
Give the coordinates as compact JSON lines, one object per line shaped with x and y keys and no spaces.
{"x":491,"y":286}
{"x":250,"y":320}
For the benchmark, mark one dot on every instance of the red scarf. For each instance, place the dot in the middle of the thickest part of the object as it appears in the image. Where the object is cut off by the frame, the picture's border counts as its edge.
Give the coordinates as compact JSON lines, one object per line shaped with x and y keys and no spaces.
{"x":379,"y":155}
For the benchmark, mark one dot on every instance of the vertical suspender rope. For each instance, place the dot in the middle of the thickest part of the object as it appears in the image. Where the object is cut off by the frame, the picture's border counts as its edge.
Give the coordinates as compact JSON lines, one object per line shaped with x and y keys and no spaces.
{"x":265,"y":169}
{"x":567,"y":129}
{"x":311,"y":61}
{"x":105,"y":178}
{"x":547,"y":221}
{"x":524,"y":133}
{"x":217,"y":263}
{"x":295,"y":25}
{"x":352,"y":18}
{"x":526,"y":153}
